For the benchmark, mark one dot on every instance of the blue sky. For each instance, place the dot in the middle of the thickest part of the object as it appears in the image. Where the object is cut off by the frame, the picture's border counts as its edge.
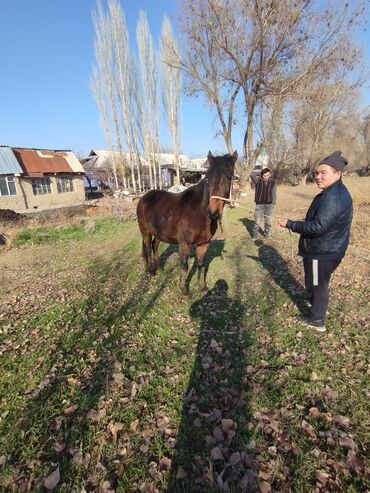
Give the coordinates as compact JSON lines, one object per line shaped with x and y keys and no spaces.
{"x":46,"y":55}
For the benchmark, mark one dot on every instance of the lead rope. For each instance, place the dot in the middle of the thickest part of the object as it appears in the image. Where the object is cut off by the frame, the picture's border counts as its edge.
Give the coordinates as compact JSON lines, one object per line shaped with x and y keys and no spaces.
{"x":233,"y":204}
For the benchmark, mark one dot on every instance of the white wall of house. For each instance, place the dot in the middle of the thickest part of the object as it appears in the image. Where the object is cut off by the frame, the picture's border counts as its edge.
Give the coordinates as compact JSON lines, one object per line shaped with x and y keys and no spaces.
{"x":26,"y":201}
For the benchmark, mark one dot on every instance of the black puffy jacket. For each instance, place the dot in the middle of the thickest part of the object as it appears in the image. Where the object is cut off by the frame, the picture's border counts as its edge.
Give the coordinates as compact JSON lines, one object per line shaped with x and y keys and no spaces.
{"x":325,"y":231}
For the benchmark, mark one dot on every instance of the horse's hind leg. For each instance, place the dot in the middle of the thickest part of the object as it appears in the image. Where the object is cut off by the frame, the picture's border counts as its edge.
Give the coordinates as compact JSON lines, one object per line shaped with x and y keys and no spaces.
{"x":184,"y":250}
{"x":147,"y":253}
{"x":155,"y":245}
{"x":201,"y":251}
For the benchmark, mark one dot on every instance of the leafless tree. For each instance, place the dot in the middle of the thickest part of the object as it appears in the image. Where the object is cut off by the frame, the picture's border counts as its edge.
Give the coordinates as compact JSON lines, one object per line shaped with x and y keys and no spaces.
{"x":125,"y":79}
{"x":168,"y":55}
{"x":102,"y":83}
{"x":114,"y":83}
{"x":96,"y":86}
{"x":365,"y":131}
{"x":251,"y":50}
{"x":149,"y":101}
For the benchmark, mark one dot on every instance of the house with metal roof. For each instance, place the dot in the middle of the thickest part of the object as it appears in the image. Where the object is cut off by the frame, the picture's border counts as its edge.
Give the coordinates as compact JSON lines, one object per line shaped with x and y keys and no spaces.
{"x":39,"y":179}
{"x":99,"y":165}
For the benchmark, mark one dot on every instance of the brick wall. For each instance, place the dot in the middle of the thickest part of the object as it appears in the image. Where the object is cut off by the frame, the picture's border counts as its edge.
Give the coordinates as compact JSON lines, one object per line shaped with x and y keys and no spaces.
{"x":26,"y":201}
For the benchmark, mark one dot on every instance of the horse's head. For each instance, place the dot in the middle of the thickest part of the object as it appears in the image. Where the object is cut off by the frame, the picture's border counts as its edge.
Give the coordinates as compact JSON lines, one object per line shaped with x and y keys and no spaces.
{"x":218,"y":181}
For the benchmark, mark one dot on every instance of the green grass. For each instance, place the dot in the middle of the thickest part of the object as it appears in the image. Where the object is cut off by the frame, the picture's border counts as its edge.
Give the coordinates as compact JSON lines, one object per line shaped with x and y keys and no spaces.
{"x":83,"y":231}
{"x":131,"y":346}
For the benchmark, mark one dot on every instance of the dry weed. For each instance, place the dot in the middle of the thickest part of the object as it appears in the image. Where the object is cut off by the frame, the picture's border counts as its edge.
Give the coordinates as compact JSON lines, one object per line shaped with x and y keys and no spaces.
{"x":359,"y":188}
{"x":120,"y":208}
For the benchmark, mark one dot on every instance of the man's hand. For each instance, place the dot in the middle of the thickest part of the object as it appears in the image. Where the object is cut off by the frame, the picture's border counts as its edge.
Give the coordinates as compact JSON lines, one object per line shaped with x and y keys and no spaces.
{"x":282,"y":222}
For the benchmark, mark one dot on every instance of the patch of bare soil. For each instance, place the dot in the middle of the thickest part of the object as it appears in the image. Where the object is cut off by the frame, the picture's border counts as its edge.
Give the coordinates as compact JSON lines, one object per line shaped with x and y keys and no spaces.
{"x":7,"y":215}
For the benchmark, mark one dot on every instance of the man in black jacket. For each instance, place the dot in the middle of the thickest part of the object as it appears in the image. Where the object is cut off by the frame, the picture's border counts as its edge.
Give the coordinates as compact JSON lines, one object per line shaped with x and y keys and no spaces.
{"x":324,"y":236}
{"x":265,"y":199}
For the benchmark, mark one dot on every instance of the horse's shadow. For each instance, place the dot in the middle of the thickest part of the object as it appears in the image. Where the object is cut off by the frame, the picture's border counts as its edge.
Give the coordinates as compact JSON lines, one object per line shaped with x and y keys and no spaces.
{"x":215,"y":249}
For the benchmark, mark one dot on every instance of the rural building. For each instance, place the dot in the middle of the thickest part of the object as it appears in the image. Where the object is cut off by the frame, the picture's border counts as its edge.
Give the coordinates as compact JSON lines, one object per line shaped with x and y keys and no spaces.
{"x":99,"y":166}
{"x":39,"y":179}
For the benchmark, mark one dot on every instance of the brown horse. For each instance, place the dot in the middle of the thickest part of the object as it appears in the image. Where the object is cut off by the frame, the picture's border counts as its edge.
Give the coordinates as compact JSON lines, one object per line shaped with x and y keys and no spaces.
{"x":189,"y":218}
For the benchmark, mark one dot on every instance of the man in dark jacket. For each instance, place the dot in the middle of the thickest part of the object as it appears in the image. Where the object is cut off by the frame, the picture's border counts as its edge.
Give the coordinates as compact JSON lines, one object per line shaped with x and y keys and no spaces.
{"x":324,"y":236}
{"x":265,"y":199}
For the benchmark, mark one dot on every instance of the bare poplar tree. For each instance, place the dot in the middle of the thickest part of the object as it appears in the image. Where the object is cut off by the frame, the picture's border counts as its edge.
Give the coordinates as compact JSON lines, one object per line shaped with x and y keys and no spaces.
{"x":98,"y":91}
{"x":150,"y":124}
{"x":168,"y":56}
{"x":123,"y":79}
{"x":104,"y":80}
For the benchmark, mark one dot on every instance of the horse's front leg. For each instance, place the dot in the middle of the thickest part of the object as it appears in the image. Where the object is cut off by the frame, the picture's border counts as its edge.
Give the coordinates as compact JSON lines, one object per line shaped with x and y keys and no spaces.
{"x":184,"y":251}
{"x":201,"y":251}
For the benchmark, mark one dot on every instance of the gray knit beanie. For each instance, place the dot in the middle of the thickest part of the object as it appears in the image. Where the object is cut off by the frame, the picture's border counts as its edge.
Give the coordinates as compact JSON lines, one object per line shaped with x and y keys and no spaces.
{"x":335,"y":160}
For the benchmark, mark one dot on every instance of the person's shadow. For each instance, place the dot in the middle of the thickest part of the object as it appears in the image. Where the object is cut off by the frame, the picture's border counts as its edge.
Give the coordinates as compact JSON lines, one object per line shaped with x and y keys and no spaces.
{"x":278,"y":270}
{"x":215,"y":410}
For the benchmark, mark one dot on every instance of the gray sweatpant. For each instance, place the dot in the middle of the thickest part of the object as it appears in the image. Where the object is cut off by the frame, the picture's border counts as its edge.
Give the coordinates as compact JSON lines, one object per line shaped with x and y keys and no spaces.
{"x":263,"y":212}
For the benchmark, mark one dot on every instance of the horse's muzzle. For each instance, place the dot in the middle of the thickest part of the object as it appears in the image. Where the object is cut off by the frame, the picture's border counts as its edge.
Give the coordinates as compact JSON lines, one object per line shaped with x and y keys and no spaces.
{"x":214,"y":215}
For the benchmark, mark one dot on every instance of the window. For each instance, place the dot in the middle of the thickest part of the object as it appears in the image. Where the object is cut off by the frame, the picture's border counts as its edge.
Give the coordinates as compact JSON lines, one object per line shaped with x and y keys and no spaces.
{"x":7,"y":185}
{"x":65,"y":184}
{"x":41,"y":186}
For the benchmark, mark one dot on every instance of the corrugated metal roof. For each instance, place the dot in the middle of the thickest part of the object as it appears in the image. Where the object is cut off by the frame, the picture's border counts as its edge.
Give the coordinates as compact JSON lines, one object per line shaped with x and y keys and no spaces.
{"x":8,"y":162}
{"x":102,"y":159}
{"x":34,"y":161}
{"x":73,"y":161}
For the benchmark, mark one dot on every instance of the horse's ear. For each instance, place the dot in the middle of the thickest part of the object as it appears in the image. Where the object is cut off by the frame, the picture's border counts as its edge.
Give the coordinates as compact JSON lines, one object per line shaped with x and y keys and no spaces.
{"x":210,"y":157}
{"x":234,"y":156}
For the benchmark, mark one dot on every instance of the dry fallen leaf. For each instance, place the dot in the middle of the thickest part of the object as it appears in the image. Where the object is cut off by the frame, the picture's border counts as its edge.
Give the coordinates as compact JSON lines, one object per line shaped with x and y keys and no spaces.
{"x":310,"y":430}
{"x":94,"y":415}
{"x":235,"y":458}
{"x":180,"y":474}
{"x":134,"y":425}
{"x":134,"y":388}
{"x":218,"y":434}
{"x":77,"y":458}
{"x":162,"y":423}
{"x":69,"y":410}
{"x":227,"y":424}
{"x":264,"y":487}
{"x":165,"y":463}
{"x":355,"y":463}
{"x":216,"y":453}
{"x":347,"y":443}
{"x":314,"y":412}
{"x":341,"y":420}
{"x":114,"y":427}
{"x":314,"y":377}
{"x":52,"y":480}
